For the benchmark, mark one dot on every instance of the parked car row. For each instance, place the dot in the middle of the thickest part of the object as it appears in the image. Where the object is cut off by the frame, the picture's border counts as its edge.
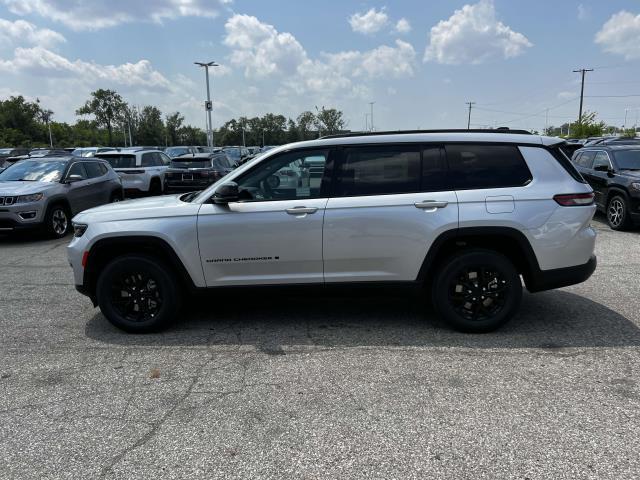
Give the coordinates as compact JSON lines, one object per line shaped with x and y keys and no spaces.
{"x":46,"y":188}
{"x":613,"y":171}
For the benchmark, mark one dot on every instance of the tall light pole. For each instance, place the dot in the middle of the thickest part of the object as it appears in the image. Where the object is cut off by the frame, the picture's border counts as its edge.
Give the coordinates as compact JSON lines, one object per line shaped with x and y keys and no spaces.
{"x":469,"y":118}
{"x":263,"y":137}
{"x":208,"y":105}
{"x":371,"y":105}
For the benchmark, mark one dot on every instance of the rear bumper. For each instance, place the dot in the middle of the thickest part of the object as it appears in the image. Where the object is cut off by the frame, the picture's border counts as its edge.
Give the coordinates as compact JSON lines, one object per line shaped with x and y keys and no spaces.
{"x":560,"y":277}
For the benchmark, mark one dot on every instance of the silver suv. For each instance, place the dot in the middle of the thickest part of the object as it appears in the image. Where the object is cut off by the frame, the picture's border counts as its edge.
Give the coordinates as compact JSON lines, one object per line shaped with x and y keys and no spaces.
{"x":141,"y":171}
{"x":47,"y":192}
{"x":468,"y":216}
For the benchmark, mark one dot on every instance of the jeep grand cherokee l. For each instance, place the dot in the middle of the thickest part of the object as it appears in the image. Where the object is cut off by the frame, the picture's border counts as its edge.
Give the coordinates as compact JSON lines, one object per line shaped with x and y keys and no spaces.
{"x":465,"y":215}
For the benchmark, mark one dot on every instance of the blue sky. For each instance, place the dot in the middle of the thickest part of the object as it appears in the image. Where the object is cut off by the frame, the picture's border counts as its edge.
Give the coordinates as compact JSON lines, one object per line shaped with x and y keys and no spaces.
{"x":419,"y":61}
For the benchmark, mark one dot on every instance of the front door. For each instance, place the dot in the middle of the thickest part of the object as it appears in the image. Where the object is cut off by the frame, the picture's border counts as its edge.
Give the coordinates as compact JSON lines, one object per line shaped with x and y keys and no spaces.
{"x":80,"y":192}
{"x":273,"y":235}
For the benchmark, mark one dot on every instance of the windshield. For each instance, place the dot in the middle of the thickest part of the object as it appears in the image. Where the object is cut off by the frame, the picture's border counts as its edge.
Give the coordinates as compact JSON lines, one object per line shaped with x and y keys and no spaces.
{"x":176,"y":151}
{"x":188,"y":163}
{"x":120,"y":161}
{"x":628,"y":159}
{"x":34,"y":171}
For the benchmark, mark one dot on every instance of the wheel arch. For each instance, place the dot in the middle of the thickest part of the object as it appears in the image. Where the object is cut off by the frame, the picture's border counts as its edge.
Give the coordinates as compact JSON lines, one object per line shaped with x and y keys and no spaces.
{"x":505,"y":240}
{"x":108,"y":248}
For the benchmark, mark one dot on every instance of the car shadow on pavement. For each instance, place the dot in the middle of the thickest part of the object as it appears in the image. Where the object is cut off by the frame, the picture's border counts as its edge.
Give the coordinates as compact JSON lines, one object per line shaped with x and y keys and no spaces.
{"x":277,"y":324}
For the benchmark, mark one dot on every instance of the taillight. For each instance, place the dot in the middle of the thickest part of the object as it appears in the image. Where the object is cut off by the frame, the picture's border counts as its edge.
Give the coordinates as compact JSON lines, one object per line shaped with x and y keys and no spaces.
{"x":575,"y":199}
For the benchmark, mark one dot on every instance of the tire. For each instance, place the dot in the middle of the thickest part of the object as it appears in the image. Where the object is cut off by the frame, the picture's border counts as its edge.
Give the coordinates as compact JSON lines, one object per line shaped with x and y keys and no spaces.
{"x":154,"y":297}
{"x":618,"y":213}
{"x":57,"y":221}
{"x":115,"y":197}
{"x":155,"y":188}
{"x":462,"y":302}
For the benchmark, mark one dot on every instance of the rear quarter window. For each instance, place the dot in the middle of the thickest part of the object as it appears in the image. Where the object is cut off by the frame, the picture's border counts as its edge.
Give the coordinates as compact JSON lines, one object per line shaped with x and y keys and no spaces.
{"x":475,"y":166}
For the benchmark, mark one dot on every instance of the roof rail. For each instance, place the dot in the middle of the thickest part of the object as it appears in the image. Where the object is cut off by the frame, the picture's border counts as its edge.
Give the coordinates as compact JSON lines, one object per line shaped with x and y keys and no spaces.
{"x":401,"y":132}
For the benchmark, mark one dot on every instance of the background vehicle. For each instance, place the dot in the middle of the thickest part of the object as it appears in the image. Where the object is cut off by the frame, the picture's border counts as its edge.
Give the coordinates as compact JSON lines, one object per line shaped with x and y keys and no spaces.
{"x":196,"y":172}
{"x":47,"y":192}
{"x":173,"y":152}
{"x":90,"y":151}
{"x":238,"y":155}
{"x":11,"y":152}
{"x":613,"y":171}
{"x":463,"y":215}
{"x":37,"y":153}
{"x":141,"y":171}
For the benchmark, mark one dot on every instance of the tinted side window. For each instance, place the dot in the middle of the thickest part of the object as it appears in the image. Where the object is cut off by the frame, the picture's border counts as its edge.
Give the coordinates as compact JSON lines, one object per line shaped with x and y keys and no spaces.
{"x":576,"y":158}
{"x":103,"y":168}
{"x":379,"y":170}
{"x":601,"y":159}
{"x":586,"y":160}
{"x":93,"y":169}
{"x":434,"y":170}
{"x":164,"y":159}
{"x":486,"y":166}
{"x":77,"y":169}
{"x":147,"y":160}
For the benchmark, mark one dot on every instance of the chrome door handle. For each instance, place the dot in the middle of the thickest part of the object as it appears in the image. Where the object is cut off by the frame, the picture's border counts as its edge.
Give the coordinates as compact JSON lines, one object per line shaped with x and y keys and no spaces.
{"x":431,"y":204}
{"x":301,"y":210}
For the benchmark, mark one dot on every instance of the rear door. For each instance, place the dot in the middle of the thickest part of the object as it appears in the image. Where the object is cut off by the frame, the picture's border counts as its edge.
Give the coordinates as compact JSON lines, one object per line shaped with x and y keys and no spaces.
{"x":599,"y":179}
{"x":389,"y":204}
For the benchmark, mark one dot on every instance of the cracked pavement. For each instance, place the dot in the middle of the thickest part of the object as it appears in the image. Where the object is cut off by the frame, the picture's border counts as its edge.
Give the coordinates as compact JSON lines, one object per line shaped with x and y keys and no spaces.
{"x":351,"y":385}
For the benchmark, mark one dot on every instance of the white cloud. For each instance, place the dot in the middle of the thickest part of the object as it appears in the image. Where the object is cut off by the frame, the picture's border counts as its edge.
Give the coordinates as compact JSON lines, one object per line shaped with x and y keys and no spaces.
{"x":263,"y":51}
{"x":22,"y":32}
{"x":403,"y":26}
{"x":97,"y":14}
{"x":583,"y":12}
{"x":369,"y":22}
{"x":620,"y":35}
{"x":40,"y":61}
{"x":474,"y":35}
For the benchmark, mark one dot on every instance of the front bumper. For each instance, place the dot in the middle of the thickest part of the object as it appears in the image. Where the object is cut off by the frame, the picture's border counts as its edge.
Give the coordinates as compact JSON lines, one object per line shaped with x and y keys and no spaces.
{"x":21,"y":216}
{"x":560,"y":277}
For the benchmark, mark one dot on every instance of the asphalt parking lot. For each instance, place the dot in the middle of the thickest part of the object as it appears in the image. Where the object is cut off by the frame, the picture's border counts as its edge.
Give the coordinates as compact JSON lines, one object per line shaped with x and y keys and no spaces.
{"x":350,"y":386}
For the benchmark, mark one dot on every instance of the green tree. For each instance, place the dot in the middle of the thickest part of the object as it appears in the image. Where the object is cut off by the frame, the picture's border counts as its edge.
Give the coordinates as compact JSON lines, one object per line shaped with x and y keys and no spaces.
{"x":173,"y":124}
{"x":305,"y":123}
{"x":151,"y":130}
{"x":330,"y":121}
{"x":588,"y":127}
{"x":106,"y":106}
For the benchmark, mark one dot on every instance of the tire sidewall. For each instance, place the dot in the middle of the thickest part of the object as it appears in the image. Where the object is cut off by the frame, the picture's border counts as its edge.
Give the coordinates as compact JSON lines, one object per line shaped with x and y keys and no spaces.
{"x":49,"y":221}
{"x":451,"y":268}
{"x":171,"y":297}
{"x":625,"y":212}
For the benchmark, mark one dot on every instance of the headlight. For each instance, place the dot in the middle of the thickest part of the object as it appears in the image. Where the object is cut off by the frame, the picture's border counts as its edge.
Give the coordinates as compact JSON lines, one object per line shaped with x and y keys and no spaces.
{"x":79,"y":229}
{"x":34,"y":197}
{"x":635,"y":185}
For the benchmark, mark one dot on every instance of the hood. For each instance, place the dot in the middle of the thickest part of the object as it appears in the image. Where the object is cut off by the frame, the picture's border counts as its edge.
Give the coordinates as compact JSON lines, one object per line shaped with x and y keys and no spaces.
{"x":631,"y":173}
{"x":143,"y":208}
{"x":24,"y":188}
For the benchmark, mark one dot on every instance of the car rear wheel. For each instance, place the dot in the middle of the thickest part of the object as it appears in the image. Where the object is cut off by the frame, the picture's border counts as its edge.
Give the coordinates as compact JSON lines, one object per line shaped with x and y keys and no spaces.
{"x":138,"y":294}
{"x":115,"y":197}
{"x":477,"y":291}
{"x":617,"y":213}
{"x":57,"y":221}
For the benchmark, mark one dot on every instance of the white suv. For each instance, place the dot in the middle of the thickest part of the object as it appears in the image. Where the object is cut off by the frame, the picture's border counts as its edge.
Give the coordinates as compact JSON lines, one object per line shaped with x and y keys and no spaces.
{"x":463,"y":214}
{"x":141,"y":171}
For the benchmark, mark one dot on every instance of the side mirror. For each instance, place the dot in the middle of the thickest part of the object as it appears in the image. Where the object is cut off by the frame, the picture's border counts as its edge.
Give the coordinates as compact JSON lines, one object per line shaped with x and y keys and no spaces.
{"x":227,"y":192}
{"x":74,"y":178}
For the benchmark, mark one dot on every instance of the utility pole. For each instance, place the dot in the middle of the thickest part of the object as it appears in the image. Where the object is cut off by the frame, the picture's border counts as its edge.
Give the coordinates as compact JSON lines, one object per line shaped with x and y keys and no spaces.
{"x":546,"y":122}
{"x":582,"y":71}
{"x":366,"y":122}
{"x":469,"y":118}
{"x":371,"y":105}
{"x":208,"y":105}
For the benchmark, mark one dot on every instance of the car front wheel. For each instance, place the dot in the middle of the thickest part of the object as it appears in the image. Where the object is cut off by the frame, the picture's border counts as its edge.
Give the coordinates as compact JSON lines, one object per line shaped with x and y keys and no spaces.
{"x":477,"y":291}
{"x":57,"y":221}
{"x":617,"y":213}
{"x":138,"y":294}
